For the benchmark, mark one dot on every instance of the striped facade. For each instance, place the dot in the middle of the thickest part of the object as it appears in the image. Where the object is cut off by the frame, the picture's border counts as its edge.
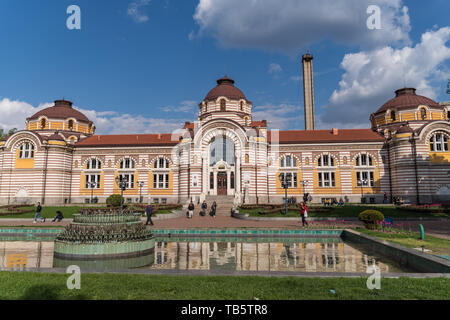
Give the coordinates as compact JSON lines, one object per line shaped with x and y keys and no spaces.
{"x":227,"y":153}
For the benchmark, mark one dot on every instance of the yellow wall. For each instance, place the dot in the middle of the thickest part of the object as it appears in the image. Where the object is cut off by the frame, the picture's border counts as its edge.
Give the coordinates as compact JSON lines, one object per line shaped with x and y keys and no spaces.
{"x":57,"y":125}
{"x":23,"y":163}
{"x":439,"y":157}
{"x":436,"y":116}
{"x":321,"y":190}
{"x":152,"y":191}
{"x":410,"y":116}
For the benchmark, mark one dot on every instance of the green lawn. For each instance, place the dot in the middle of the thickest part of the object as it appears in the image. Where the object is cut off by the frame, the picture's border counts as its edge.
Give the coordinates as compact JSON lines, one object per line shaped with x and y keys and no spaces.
{"x":15,"y":285}
{"x":411,"y":240}
{"x":351,"y":211}
{"x":50,"y":212}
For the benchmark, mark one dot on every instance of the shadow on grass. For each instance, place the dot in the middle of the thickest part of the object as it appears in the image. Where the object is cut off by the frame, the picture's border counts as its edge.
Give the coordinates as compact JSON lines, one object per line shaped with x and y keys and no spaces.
{"x":48,"y":292}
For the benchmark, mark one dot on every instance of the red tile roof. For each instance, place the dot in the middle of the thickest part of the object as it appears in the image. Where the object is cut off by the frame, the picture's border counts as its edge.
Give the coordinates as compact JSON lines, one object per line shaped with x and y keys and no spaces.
{"x":260,"y":124}
{"x":129,"y":140}
{"x":326,"y":136}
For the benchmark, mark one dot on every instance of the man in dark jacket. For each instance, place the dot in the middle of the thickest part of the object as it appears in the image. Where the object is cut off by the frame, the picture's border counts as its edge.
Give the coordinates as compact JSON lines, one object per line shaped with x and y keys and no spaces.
{"x":149,"y":213}
{"x":38,"y":213}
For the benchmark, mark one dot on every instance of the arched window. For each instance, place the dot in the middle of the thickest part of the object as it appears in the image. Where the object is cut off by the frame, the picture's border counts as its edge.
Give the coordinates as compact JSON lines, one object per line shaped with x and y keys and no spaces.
{"x":223,"y":105}
{"x":325,"y":161}
{"x":93,"y":164}
{"x":242,"y":105}
{"x":364,"y":160}
{"x":439,"y":143}
{"x":70,"y":125}
{"x":232,"y":180}
{"x":43,"y":123}
{"x":161,"y":163}
{"x":26,"y":151}
{"x":423,"y":114}
{"x":288,"y":162}
{"x":127,"y":163}
{"x":222,"y":149}
{"x":392,"y":115}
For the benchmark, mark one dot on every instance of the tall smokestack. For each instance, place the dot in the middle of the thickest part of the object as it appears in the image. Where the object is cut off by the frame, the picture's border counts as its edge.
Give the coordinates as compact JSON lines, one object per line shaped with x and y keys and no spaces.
{"x":308,"y":91}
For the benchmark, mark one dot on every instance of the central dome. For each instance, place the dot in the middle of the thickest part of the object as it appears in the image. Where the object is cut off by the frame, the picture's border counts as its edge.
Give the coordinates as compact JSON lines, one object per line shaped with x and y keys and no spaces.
{"x":61,"y":110}
{"x":225,"y":88}
{"x":407,"y":98}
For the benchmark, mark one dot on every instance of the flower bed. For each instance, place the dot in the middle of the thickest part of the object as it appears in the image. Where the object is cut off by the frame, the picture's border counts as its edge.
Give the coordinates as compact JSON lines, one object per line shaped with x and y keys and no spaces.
{"x":14,"y":210}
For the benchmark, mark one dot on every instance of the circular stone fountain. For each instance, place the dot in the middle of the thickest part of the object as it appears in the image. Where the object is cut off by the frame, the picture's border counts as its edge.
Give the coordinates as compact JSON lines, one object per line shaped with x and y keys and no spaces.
{"x":106,"y":237}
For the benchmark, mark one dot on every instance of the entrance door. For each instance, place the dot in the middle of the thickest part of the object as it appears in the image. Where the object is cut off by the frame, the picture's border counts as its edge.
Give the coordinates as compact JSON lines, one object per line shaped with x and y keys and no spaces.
{"x":222,"y":184}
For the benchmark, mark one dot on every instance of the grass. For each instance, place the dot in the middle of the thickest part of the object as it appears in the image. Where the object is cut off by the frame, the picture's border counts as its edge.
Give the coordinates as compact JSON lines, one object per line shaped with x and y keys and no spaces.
{"x":46,"y":286}
{"x":411,"y":240}
{"x":351,"y":211}
{"x":50,"y":212}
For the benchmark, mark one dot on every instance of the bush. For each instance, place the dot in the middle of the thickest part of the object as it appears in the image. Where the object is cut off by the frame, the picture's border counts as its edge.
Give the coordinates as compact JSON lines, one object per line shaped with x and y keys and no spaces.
{"x":371,"y":218}
{"x":113,"y":200}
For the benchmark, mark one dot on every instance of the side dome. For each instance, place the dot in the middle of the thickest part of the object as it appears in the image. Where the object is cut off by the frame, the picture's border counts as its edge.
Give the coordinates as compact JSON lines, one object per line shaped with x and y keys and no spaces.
{"x":225,"y":88}
{"x":407,"y":98}
{"x":61,"y":110}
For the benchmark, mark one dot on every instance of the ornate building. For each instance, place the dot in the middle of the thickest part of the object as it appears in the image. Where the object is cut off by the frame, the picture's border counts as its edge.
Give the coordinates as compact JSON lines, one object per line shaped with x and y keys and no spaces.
{"x":59,"y":159}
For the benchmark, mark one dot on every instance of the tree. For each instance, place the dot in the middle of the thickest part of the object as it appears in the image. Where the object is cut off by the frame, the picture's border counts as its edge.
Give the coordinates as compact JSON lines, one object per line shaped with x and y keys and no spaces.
{"x":3,"y":134}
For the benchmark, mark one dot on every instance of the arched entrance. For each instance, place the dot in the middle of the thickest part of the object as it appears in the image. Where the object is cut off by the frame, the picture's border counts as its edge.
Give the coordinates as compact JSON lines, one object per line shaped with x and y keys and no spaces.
{"x":221,"y":144}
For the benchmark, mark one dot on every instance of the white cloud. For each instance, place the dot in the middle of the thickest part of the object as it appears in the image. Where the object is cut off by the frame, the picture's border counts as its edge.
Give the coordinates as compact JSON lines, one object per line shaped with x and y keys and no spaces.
{"x":274,"y":68}
{"x":290,"y":25}
{"x":14,"y":114}
{"x":184,"y":107}
{"x":283,"y":116}
{"x":135,"y":12}
{"x":371,"y":77}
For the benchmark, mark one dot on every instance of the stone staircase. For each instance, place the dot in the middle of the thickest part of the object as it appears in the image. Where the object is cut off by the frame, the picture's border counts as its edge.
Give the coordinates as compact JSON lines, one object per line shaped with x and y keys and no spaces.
{"x":224,"y":204}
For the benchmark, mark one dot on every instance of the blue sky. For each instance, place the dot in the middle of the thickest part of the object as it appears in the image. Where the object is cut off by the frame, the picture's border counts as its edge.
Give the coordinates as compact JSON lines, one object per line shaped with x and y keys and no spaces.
{"x":151,"y":66}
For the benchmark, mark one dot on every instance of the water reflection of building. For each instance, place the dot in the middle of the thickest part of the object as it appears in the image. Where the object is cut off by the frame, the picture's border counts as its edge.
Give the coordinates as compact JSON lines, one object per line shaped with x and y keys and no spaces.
{"x":22,"y":254}
{"x":300,"y":257}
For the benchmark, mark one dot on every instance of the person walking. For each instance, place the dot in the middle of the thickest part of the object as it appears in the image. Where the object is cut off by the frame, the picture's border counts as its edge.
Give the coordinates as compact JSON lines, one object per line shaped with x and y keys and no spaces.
{"x":149,"y":213}
{"x":59,"y":216}
{"x":38,"y":213}
{"x":304,"y":214}
{"x":204,"y":208}
{"x":191,"y":208}
{"x":212,"y":213}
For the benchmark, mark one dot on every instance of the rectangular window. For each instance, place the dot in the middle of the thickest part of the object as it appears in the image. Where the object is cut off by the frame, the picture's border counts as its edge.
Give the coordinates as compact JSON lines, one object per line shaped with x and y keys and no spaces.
{"x":327,"y":179}
{"x":92,"y":178}
{"x":161,"y":181}
{"x":367,"y":178}
{"x":294,"y":181}
{"x":325,"y":161}
{"x":372,"y":183}
{"x":130,"y":180}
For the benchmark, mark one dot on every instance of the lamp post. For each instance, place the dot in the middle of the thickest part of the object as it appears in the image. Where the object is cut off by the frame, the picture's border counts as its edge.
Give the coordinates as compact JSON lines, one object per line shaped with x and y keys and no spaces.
{"x":304,"y":183}
{"x":285,"y":180}
{"x":140,"y":184}
{"x":361,"y":183}
{"x":92,"y":185}
{"x":122,"y":184}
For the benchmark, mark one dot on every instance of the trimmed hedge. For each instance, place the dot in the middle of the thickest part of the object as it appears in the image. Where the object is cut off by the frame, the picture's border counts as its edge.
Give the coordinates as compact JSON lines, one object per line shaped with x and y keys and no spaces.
{"x":113,"y":200}
{"x":371,"y":218}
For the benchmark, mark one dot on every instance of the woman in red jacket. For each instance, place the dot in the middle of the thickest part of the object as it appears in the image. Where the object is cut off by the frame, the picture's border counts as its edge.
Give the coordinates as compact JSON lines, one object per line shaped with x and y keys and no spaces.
{"x":304,"y":214}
